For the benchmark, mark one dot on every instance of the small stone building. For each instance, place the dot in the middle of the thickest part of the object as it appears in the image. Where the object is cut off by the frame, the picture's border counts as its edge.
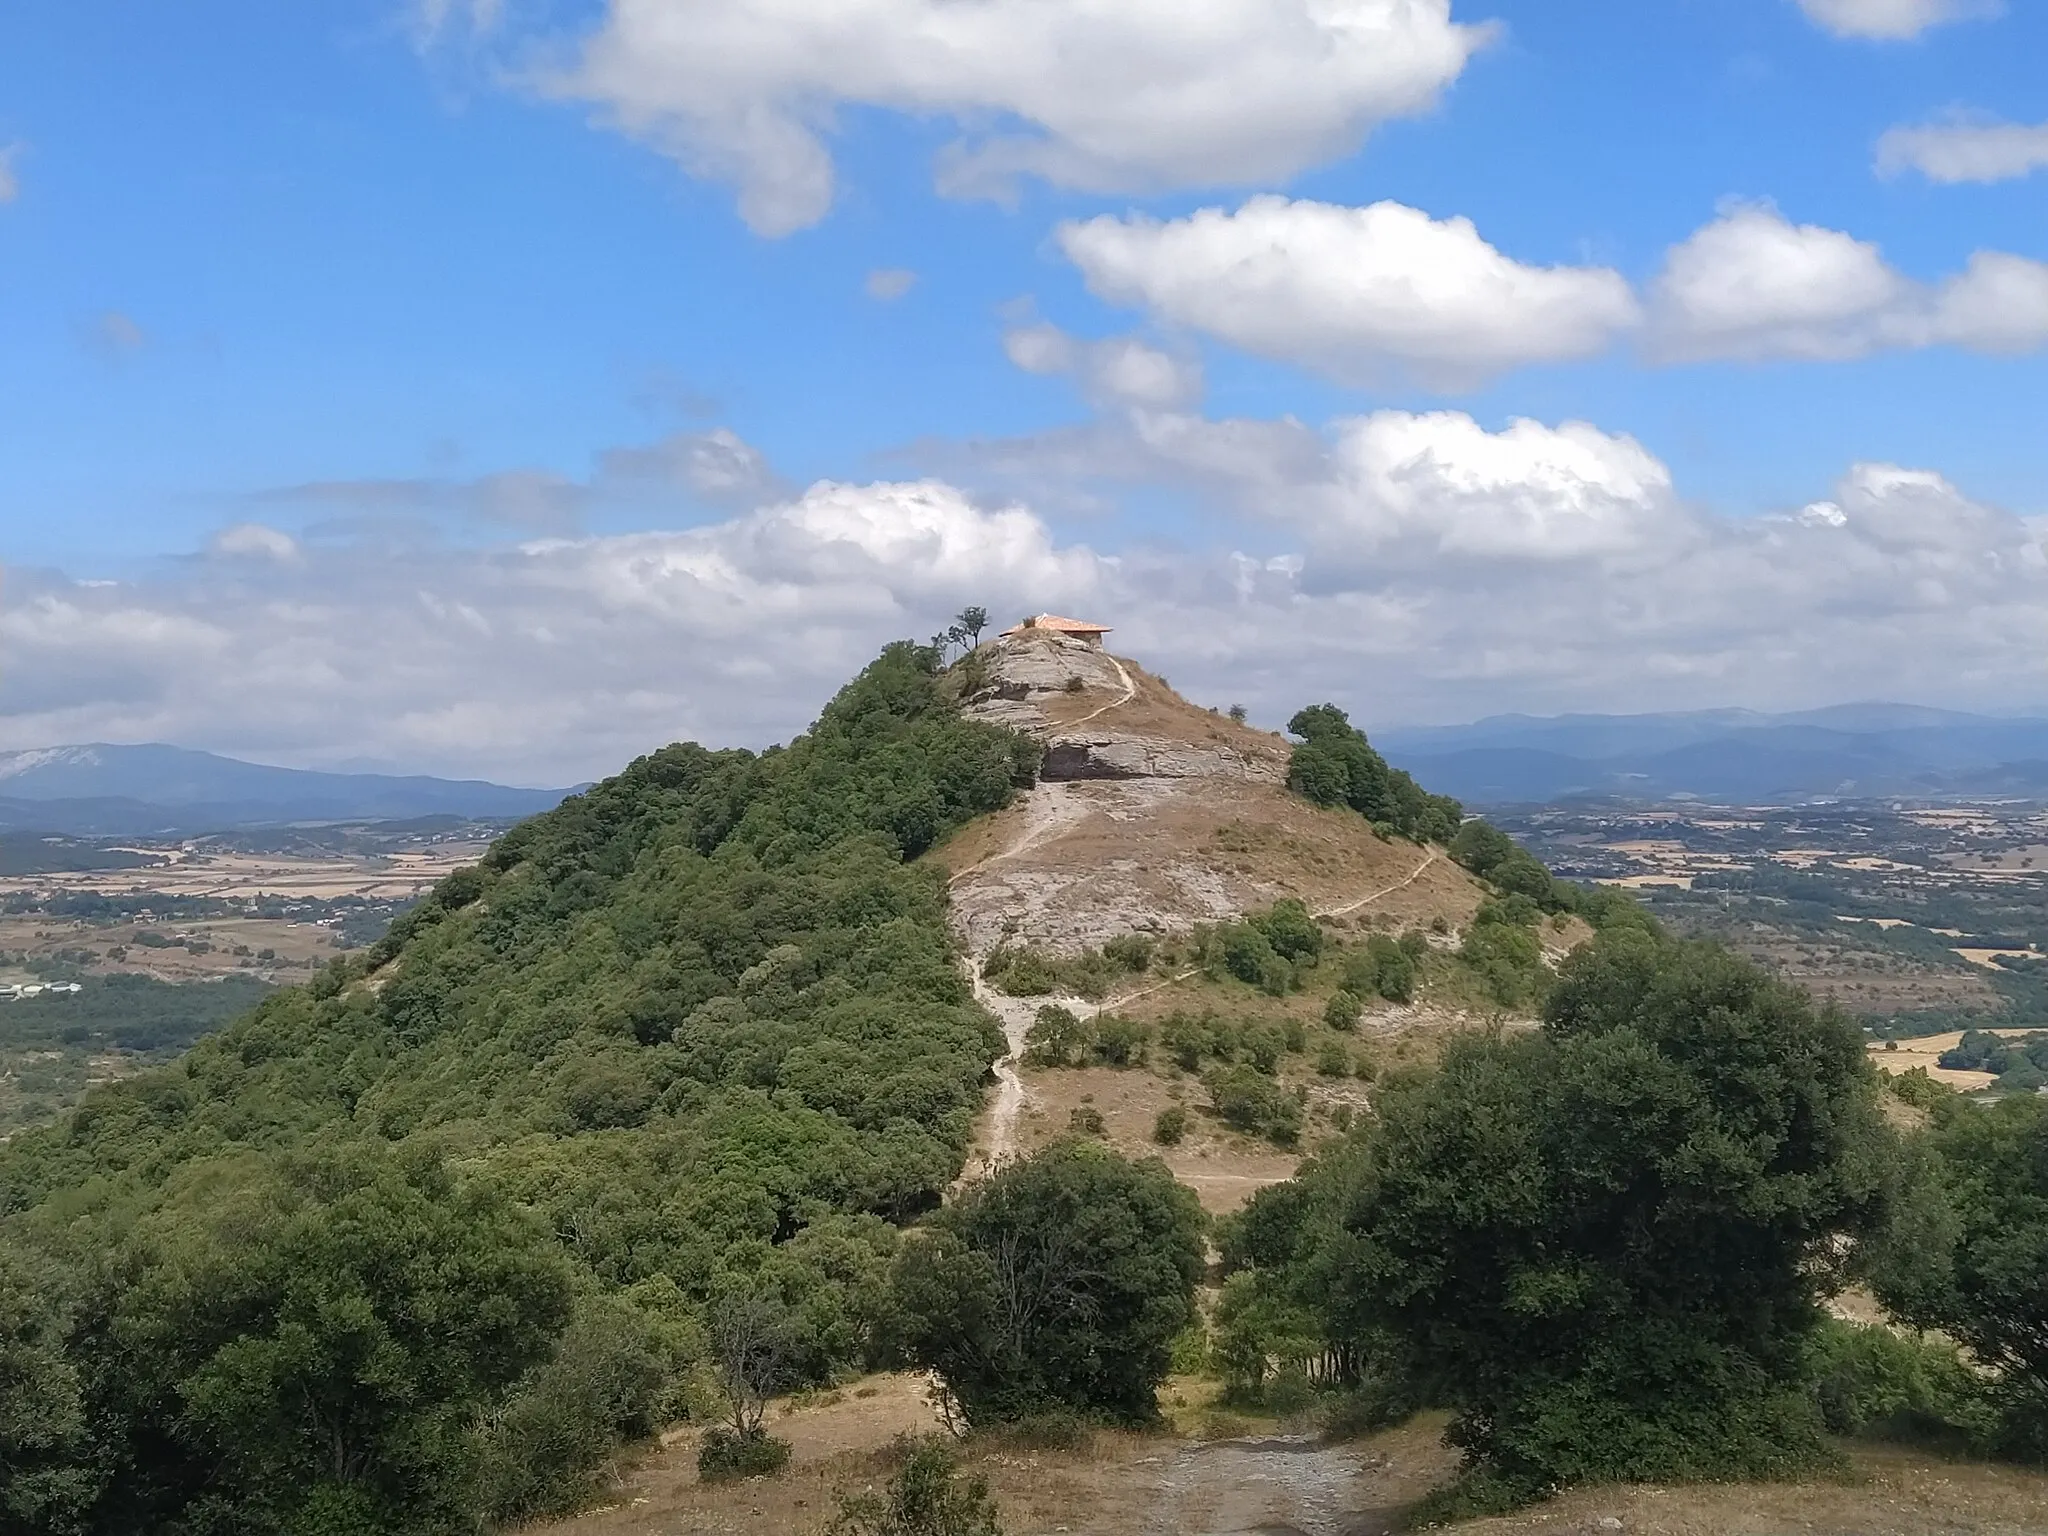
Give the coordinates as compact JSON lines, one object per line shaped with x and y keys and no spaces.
{"x":1052,"y":623}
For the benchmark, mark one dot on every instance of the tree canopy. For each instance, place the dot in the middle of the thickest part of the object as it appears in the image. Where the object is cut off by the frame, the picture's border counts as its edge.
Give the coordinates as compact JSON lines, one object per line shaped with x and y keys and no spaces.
{"x":1336,"y":765}
{"x":1602,"y":1245}
{"x":699,"y":1028}
{"x":1059,"y":1283}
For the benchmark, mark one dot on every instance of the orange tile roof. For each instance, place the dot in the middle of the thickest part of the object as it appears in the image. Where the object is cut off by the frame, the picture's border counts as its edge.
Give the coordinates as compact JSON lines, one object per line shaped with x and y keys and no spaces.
{"x":1059,"y":625}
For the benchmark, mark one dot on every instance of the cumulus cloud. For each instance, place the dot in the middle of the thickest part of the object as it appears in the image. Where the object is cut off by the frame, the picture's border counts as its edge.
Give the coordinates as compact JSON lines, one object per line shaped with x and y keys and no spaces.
{"x":1414,"y":567}
{"x":1754,"y":285}
{"x":1102,"y":98}
{"x":1355,"y":293}
{"x":253,"y":541}
{"x":1893,"y":20}
{"x":1965,"y":151}
{"x":544,"y":661}
{"x":1117,"y":371}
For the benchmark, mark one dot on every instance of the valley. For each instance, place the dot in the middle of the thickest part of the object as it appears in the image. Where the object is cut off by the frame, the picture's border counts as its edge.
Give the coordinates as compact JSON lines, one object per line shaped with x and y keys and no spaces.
{"x":1918,"y":919}
{"x":170,"y":937}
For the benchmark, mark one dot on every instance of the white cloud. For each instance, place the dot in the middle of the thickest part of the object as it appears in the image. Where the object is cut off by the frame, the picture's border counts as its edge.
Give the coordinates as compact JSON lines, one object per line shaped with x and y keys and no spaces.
{"x":1446,"y":486}
{"x":1893,"y":19}
{"x":885,"y":285}
{"x":1412,"y":566}
{"x":1141,"y":96}
{"x":1965,"y":151}
{"x":1120,"y":370}
{"x":1754,"y":285}
{"x":253,"y":541}
{"x":541,"y":662}
{"x":1356,"y":293}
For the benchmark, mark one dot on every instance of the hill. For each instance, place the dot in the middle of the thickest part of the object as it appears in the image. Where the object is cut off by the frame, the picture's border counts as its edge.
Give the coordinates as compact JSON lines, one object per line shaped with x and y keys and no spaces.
{"x":415,"y":1244}
{"x":120,"y":791}
{"x":1153,"y":819}
{"x":1846,"y":751}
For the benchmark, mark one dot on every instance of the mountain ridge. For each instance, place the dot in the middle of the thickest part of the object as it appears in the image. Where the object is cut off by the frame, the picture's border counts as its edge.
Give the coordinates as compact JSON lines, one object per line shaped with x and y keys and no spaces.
{"x":103,"y":788}
{"x":1842,"y":751}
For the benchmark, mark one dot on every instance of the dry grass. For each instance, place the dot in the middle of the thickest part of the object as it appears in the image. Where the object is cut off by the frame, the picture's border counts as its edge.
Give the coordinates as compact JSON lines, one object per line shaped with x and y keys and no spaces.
{"x":1926,"y":1052}
{"x":1216,"y":1473}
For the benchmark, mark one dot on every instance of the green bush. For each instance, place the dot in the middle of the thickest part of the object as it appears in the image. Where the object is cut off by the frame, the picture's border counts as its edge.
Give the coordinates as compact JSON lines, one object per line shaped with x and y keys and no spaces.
{"x":1086,"y":1120}
{"x":726,"y":1455}
{"x":1382,"y":968}
{"x":1253,"y":1103}
{"x":1871,"y":1381}
{"x":1058,"y":1038}
{"x":1120,"y":1042}
{"x":1248,"y":954}
{"x":1293,"y":934}
{"x":540,"y":1451}
{"x":1333,"y":1060}
{"x":1131,"y":951}
{"x":1343,"y":1011}
{"x":1966,"y":1252}
{"x":1601,"y":1245}
{"x":1170,"y":1126}
{"x":926,"y":1497}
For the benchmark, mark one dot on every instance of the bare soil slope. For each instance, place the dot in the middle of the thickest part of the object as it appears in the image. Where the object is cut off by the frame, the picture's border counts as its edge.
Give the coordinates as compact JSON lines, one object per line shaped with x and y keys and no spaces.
{"x":1154,"y":815}
{"x":1151,"y":815}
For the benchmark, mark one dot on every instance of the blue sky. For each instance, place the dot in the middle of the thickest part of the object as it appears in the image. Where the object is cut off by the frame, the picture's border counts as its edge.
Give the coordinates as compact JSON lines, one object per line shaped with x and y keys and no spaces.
{"x":452,"y":267}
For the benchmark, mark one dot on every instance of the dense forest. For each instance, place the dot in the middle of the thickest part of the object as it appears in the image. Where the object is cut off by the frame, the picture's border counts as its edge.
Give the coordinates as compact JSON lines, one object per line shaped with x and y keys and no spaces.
{"x":411,"y":1245}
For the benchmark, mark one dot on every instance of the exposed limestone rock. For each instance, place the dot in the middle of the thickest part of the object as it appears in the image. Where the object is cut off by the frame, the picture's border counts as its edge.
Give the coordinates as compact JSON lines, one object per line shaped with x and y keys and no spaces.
{"x":1111,"y":755}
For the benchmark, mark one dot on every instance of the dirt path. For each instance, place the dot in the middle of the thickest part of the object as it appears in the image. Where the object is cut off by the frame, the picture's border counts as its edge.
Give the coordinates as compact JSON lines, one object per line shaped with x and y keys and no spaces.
{"x":1429,"y":857}
{"x":1282,"y":1485}
{"x":1130,"y":692}
{"x":1049,"y":810}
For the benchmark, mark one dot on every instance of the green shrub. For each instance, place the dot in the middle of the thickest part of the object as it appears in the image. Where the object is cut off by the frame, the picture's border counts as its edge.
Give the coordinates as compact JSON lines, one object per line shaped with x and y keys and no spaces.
{"x":1293,"y":934}
{"x":1170,"y":1126}
{"x":1058,"y":1038}
{"x":1086,"y":1120}
{"x":1336,"y":765}
{"x":1333,"y":1060}
{"x":1120,"y":1042}
{"x":1871,"y":1381}
{"x":1252,"y":1102}
{"x":1382,"y":968}
{"x":1343,"y":1011}
{"x":1131,"y":951}
{"x":926,"y":1497}
{"x":1248,"y":954}
{"x":539,"y":1453}
{"x":726,"y":1455}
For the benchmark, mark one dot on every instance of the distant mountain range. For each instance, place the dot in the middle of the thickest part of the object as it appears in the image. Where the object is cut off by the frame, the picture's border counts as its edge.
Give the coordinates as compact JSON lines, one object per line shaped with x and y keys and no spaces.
{"x":115,"y":791}
{"x":1850,"y":751}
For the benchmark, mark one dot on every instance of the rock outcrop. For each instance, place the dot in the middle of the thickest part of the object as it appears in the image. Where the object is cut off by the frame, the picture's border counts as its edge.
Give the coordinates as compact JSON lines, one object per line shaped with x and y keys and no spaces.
{"x":1151,"y":814}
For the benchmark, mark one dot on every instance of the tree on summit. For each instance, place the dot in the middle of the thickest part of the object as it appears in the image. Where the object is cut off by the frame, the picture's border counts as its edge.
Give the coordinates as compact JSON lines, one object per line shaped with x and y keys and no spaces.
{"x":1336,"y":765}
{"x":972,"y":622}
